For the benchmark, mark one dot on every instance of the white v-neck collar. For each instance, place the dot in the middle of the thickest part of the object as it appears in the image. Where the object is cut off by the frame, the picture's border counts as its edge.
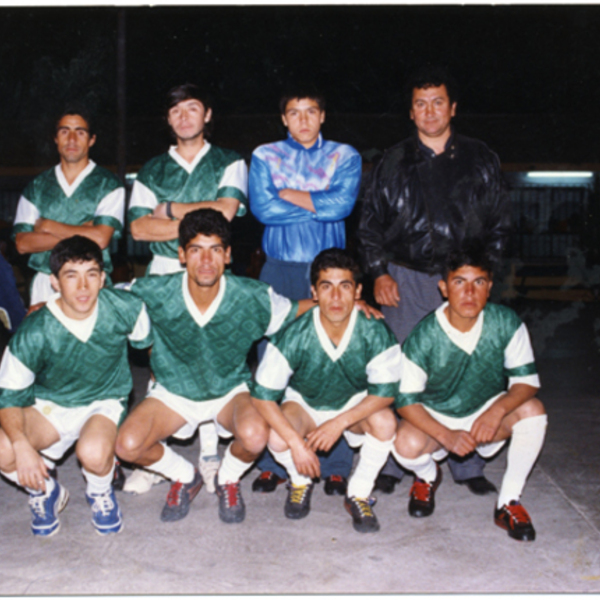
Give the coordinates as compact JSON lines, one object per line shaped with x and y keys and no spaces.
{"x":62,"y":180}
{"x":202,"y":319}
{"x":327,"y":345}
{"x":184,"y":164}
{"x":466,"y":341}
{"x":81,"y":329}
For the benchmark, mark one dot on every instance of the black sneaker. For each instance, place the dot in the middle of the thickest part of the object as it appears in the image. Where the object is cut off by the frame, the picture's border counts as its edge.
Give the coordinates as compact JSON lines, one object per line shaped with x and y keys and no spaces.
{"x":516,"y":520}
{"x":335,"y":485}
{"x":297,"y":504}
{"x":386,"y":484}
{"x":422,"y":496}
{"x":180,"y":497}
{"x":363,"y":517}
{"x":231,"y":503}
{"x":266,"y":482}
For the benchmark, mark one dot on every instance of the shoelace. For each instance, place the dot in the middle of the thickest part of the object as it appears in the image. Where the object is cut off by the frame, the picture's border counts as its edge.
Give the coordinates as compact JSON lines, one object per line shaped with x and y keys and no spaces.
{"x":421,"y":490}
{"x":336,"y":478}
{"x":232,"y":492}
{"x":103,"y":504}
{"x":37,"y":504}
{"x":517,"y":513}
{"x":298,"y":493}
{"x":266,"y":475}
{"x":364,"y":506}
{"x":174,"y":495}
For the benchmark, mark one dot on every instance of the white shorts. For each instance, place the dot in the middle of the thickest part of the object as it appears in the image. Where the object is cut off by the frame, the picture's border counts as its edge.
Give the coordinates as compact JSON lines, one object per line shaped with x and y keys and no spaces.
{"x":70,"y":421}
{"x":163,"y":265}
{"x":195,"y":412}
{"x":355,"y":440}
{"x":465,"y":423}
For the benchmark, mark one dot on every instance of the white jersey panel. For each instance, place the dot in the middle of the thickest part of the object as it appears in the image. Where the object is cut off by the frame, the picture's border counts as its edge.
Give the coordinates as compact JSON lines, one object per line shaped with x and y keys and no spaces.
{"x":142,"y":196}
{"x":274,"y":371}
{"x":236,"y":175}
{"x":112,"y":205}
{"x":519,"y":352}
{"x":280,"y":308}
{"x":385,"y":366}
{"x":14,"y":375}
{"x":142,"y":326}
{"x":27,"y":212}
{"x":413,"y":380}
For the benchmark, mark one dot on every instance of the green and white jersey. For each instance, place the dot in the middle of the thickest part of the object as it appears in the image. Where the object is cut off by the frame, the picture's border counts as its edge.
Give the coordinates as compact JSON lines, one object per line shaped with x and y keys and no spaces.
{"x":203,"y":356}
{"x":304,"y":358}
{"x":456,"y":373}
{"x":214,"y":173}
{"x":96,"y":195}
{"x":73,"y":363}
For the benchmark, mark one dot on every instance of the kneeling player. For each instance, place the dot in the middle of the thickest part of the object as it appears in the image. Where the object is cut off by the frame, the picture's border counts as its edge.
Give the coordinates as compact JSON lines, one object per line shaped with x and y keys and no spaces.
{"x":65,"y":378}
{"x":338,"y":374}
{"x":204,"y":324}
{"x":453,"y":394}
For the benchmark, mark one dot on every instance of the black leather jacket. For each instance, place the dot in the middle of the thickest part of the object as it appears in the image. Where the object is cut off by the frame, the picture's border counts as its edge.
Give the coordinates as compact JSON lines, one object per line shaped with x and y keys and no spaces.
{"x":417,"y":207}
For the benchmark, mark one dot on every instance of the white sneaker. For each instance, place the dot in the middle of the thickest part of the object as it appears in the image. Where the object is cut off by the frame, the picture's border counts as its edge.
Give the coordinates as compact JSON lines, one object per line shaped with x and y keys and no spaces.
{"x":208,"y":467}
{"x":141,"y":481}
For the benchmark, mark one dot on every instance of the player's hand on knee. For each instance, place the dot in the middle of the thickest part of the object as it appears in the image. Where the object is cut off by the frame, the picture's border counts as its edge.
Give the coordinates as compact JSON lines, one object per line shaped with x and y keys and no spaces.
{"x":325,"y":435}
{"x":306,"y":460}
{"x":486,"y":426}
{"x":460,"y":442}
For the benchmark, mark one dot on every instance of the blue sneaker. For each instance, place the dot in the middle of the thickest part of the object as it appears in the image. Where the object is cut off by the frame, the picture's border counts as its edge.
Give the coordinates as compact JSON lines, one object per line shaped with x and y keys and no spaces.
{"x":45,"y":508}
{"x":106,"y":514}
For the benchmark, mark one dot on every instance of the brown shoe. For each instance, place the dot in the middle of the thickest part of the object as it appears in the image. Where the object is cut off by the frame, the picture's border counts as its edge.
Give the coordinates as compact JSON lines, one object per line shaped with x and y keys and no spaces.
{"x":422,"y":496}
{"x":515,"y":519}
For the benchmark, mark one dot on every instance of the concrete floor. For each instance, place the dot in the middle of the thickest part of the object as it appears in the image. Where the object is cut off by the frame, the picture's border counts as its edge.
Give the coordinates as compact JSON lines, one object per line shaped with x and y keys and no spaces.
{"x":458,"y":549}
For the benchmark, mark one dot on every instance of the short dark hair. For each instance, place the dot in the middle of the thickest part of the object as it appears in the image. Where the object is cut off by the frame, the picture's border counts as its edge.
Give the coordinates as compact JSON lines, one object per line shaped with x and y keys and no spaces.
{"x":205,"y":221}
{"x":80,"y":110}
{"x":190,"y":91}
{"x":333,"y":258}
{"x":298,"y":92}
{"x":472,"y":253}
{"x":431,"y":76}
{"x":75,"y":249}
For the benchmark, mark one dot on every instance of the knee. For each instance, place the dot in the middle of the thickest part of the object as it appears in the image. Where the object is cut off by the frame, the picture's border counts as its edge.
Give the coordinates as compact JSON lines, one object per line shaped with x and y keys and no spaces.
{"x":253,"y":435}
{"x":276,"y":443}
{"x":382,"y":425}
{"x":531,"y":408}
{"x":409,"y":443}
{"x":128,"y":446}
{"x":96,"y":456}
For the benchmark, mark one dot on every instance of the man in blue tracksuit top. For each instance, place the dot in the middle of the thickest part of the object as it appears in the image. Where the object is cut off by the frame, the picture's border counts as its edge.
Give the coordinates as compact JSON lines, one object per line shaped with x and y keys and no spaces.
{"x":302,"y":189}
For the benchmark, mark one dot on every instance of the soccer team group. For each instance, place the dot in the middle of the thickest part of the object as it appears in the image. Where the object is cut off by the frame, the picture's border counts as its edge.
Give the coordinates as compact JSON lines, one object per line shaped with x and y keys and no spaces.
{"x":331,"y":371}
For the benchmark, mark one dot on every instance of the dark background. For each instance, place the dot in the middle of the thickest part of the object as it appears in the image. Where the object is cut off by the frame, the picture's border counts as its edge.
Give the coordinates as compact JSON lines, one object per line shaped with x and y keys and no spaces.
{"x":527,"y":73}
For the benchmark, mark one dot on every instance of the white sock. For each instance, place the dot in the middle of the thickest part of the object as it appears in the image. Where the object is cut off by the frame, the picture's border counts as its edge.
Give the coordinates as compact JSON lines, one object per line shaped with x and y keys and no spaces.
{"x":173,"y":466}
{"x":373,"y":455}
{"x":98,"y":484}
{"x":50,"y":464}
{"x":209,"y":440}
{"x":285,"y":459}
{"x":424,"y":467}
{"x":525,"y":445}
{"x":12,"y":476}
{"x":232,"y":468}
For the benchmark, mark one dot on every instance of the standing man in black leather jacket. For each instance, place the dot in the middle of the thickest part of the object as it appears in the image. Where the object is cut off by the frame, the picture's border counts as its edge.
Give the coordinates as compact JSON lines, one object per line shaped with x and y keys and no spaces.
{"x":427,"y":195}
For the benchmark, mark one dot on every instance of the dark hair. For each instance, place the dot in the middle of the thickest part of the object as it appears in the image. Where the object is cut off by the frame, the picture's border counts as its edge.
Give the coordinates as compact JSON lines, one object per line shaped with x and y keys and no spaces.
{"x":75,"y":249}
{"x":431,"y":76}
{"x":333,"y":258}
{"x":471,"y":254}
{"x":299,"y":92}
{"x":80,"y":110}
{"x":190,"y":91}
{"x":205,"y":221}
